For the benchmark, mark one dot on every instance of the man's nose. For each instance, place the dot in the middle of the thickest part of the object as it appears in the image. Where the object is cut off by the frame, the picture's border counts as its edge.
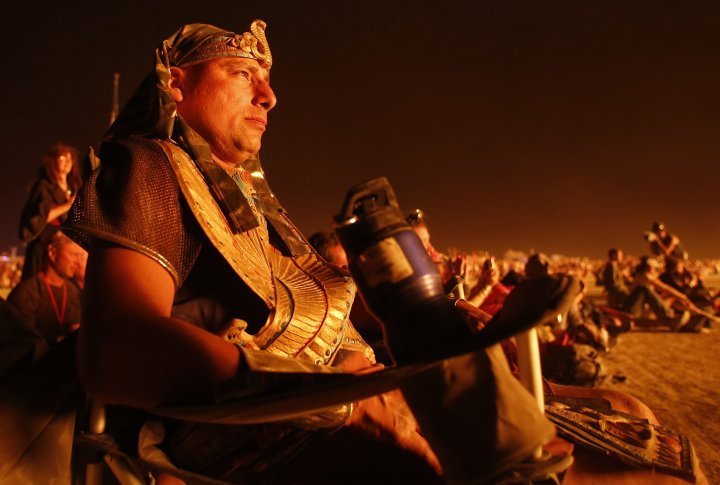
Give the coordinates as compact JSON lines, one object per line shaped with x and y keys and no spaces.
{"x":265,"y":96}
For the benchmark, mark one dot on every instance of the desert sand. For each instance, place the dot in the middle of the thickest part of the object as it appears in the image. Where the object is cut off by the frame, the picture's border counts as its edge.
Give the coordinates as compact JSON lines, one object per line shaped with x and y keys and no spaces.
{"x":678,"y":376}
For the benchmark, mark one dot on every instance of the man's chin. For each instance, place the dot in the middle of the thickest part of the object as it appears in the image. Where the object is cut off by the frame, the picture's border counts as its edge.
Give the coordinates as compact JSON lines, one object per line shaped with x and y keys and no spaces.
{"x":247,"y":152}
{"x":235,"y":156}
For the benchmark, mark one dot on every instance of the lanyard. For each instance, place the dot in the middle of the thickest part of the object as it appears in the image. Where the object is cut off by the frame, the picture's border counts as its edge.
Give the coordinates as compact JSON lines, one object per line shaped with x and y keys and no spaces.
{"x":59,"y":314}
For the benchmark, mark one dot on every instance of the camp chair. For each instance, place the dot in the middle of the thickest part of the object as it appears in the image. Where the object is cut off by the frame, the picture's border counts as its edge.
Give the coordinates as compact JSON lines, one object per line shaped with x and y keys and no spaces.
{"x":38,"y":406}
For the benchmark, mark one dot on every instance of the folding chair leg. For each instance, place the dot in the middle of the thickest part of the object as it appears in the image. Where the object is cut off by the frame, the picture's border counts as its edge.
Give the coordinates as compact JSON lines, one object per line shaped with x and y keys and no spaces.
{"x":123,"y":471}
{"x":528,"y":351}
{"x":94,"y":471}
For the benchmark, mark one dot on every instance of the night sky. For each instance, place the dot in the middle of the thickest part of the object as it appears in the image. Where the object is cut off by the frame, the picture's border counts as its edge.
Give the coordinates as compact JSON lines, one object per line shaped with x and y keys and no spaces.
{"x":565,"y":127}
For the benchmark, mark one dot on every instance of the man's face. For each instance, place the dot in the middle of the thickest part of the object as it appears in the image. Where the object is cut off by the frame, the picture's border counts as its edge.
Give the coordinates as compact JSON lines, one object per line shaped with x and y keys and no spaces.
{"x":65,"y":257}
{"x":226,"y":101}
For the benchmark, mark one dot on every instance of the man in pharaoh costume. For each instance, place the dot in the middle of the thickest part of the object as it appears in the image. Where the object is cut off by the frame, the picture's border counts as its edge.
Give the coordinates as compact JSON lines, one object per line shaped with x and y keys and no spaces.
{"x":197,"y":278}
{"x":199,"y":286}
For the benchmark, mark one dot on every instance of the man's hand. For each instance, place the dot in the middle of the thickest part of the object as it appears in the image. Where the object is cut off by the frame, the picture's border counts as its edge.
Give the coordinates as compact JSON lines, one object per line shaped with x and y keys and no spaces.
{"x":488,"y":276}
{"x":458,"y":264}
{"x":387,"y":419}
{"x":475,"y":317}
{"x":357,"y":363}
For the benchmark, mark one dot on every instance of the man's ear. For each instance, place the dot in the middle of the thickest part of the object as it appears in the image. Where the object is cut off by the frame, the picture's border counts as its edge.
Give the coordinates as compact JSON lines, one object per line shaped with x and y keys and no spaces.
{"x":177,"y":76}
{"x":51,"y":253}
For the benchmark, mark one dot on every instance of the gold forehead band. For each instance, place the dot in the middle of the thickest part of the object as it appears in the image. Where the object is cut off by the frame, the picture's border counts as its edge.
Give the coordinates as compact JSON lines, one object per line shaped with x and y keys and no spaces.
{"x":250,"y":45}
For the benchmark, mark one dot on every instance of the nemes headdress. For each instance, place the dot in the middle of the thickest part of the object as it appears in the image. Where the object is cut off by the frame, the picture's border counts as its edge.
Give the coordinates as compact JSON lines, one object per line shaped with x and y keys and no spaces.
{"x":251,"y":45}
{"x":152,"y":112}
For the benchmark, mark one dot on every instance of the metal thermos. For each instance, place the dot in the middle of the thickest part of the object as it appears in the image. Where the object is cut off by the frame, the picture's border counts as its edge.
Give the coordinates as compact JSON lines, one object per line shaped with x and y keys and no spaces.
{"x":396,"y":277}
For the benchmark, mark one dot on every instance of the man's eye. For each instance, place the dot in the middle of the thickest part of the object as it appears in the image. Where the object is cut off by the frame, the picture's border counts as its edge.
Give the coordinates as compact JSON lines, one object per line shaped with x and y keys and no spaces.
{"x":242,"y":73}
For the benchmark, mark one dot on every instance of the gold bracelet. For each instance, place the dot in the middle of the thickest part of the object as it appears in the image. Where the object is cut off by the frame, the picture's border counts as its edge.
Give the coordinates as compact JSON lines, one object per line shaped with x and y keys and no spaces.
{"x":350,"y":409}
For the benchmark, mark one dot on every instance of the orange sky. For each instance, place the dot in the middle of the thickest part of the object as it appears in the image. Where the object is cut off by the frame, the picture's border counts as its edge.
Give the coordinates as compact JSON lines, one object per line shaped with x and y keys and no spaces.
{"x":567,"y":127}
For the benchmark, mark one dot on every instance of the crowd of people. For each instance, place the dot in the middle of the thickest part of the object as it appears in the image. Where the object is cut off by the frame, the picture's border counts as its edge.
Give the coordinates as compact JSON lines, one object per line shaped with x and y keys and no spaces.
{"x":635,"y":295}
{"x":198,"y":285}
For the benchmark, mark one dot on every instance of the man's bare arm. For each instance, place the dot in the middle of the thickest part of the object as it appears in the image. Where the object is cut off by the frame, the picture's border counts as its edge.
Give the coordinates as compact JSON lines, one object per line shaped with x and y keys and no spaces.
{"x":674,"y":241}
{"x":130,"y":351}
{"x":667,"y":250}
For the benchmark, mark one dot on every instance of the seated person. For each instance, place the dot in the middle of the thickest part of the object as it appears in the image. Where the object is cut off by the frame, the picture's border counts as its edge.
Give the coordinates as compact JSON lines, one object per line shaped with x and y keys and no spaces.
{"x":632,"y":302}
{"x":586,"y":325}
{"x":49,"y":301}
{"x":452,"y":270}
{"x":512,"y":277}
{"x":489,"y":293}
{"x":207,"y":245}
{"x":663,"y":244}
{"x":328,"y":246}
{"x":538,"y":266}
{"x":678,"y":277}
{"x":576,"y":326}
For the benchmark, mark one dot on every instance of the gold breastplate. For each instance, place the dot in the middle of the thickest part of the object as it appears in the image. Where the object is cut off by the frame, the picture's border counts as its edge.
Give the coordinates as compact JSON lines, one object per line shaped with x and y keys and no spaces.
{"x":309,"y":299}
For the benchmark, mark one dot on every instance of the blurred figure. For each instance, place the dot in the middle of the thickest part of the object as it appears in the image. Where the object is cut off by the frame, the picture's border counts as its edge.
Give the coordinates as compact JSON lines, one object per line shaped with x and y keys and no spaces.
{"x":451,"y":270}
{"x":537,"y":266}
{"x":49,"y":302}
{"x":328,"y":246}
{"x":512,"y":277}
{"x":50,"y":198}
{"x":678,"y":277}
{"x":417,"y":221}
{"x":664,"y":244}
{"x":9,"y":275}
{"x":489,"y":293}
{"x":567,"y":343}
{"x":632,"y":301}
